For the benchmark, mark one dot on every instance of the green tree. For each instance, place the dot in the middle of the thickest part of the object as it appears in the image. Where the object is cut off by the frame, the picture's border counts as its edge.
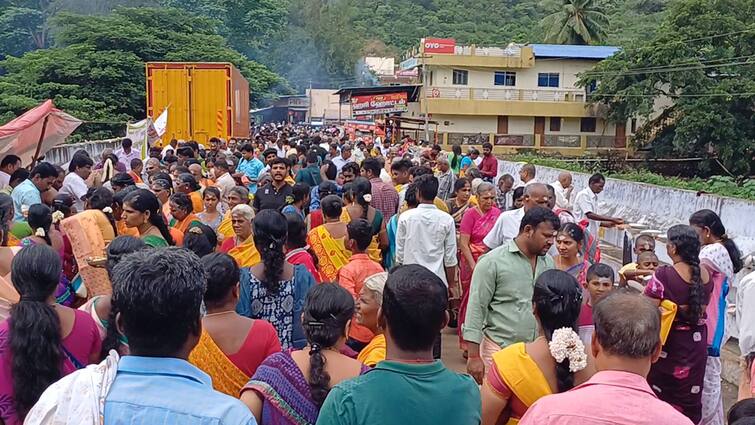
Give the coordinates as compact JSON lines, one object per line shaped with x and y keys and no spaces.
{"x":577,"y":22}
{"x":95,"y":69}
{"x":691,"y":84}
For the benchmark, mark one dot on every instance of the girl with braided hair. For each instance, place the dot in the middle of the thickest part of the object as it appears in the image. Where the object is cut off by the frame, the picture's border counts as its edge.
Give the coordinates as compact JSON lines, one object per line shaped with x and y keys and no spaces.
{"x":684,"y":288}
{"x":290,"y":387}
{"x":274,"y":289}
{"x":554,"y":362}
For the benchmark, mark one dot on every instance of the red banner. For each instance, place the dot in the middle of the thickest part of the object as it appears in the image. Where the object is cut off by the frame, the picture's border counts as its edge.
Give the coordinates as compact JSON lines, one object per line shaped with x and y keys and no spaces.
{"x":439,"y":45}
{"x":379,"y":104}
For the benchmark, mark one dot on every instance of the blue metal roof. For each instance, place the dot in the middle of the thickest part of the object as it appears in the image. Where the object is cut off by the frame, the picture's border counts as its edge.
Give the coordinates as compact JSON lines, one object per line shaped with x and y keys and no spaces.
{"x":573,"y":51}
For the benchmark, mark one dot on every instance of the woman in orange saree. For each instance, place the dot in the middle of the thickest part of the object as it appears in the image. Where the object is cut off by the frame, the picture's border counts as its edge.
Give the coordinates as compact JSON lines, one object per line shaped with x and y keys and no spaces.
{"x":328,"y":241}
{"x":231,"y":347}
{"x":241,"y":245}
{"x":183,"y":217}
{"x":239,"y":195}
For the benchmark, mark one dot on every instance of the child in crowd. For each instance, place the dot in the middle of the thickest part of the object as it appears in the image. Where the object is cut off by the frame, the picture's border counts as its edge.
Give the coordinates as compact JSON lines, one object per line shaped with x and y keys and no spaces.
{"x":518,"y":197}
{"x":352,"y":275}
{"x":600,"y":281}
{"x":643,"y":243}
{"x":645,"y":266}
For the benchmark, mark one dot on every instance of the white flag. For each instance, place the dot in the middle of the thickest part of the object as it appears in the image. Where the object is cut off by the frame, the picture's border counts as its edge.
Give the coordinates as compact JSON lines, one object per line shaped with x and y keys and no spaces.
{"x":161,"y":123}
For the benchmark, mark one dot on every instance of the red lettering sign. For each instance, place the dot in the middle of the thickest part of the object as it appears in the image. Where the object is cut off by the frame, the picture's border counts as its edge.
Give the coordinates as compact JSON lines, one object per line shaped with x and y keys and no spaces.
{"x":379,"y":104}
{"x":439,"y":45}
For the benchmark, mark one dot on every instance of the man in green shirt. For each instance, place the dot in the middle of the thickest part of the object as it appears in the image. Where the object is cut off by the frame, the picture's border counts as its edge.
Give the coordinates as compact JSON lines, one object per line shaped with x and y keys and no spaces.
{"x":499,"y":311}
{"x":408,"y":387}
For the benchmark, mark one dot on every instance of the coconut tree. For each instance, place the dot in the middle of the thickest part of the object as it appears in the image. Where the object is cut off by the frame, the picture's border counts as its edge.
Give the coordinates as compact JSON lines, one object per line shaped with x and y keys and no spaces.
{"x":577,"y":22}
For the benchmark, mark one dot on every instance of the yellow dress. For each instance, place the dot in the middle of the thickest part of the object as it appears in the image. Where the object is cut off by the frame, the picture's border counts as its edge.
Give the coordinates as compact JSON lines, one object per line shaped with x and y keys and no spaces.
{"x":331,"y":252}
{"x":374,"y":352}
{"x":521,"y":375}
{"x":226,"y":376}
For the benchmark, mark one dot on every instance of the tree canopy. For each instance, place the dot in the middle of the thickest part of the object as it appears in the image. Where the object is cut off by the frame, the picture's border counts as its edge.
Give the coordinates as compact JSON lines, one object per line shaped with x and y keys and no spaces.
{"x":95,"y":68}
{"x":693,"y":83}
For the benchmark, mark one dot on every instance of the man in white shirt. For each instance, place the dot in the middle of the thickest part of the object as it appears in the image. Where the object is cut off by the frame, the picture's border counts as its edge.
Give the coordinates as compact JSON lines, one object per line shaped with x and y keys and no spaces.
{"x":75,"y":184}
{"x":586,"y":206}
{"x":125,"y":154}
{"x":223,"y":179}
{"x":8,"y":166}
{"x":426,"y":235}
{"x":172,"y":146}
{"x":563,"y":188}
{"x":527,"y":175}
{"x":507,"y":225}
{"x":344,"y":158}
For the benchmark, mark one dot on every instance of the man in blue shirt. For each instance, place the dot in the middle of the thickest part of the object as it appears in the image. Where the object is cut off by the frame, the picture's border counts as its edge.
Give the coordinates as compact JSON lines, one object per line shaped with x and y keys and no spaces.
{"x":29,"y":192}
{"x":159,"y":296}
{"x":249,"y":166}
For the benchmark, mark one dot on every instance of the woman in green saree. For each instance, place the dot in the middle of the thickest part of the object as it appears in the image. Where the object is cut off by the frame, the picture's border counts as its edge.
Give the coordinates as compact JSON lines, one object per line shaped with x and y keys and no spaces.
{"x":141,"y":210}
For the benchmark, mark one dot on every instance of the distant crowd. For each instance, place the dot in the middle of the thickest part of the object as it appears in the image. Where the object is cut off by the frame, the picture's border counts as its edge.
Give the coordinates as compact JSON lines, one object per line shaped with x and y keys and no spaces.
{"x":303,"y":276}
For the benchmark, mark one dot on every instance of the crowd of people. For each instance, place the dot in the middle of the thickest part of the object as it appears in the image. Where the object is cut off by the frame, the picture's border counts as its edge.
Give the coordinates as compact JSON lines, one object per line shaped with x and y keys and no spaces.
{"x":299,"y":277}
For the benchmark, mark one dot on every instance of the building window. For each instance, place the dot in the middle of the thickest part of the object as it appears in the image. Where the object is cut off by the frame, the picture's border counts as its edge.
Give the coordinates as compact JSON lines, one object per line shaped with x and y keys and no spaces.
{"x":547,"y":79}
{"x":555,"y":124}
{"x":591,"y":87}
{"x":587,"y":125}
{"x":633,"y":125}
{"x":461,"y":77}
{"x":504,"y":78}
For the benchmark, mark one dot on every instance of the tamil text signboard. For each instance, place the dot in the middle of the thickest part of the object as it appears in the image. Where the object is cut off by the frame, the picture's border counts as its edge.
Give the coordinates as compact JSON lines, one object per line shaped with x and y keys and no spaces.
{"x":377,"y":104}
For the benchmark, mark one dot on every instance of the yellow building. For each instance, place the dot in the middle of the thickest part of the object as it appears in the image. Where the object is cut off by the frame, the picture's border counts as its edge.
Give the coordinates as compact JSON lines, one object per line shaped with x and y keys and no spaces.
{"x":517,"y":97}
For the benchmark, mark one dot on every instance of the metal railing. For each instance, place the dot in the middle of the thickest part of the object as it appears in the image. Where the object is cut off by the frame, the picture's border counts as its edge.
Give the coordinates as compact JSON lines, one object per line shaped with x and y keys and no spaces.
{"x":507,"y":94}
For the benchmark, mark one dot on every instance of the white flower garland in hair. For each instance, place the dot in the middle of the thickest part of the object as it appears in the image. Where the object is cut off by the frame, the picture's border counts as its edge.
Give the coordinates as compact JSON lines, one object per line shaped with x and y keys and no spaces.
{"x":565,"y":344}
{"x":57,"y":216}
{"x":40,"y":232}
{"x":367,"y":198}
{"x":107,"y":210}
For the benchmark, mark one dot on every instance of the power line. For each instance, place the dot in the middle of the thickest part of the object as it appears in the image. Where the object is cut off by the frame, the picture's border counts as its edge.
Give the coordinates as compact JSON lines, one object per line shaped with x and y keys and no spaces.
{"x":674,"y":95}
{"x":660,"y":67}
{"x":751,"y":29}
{"x":667,"y":70}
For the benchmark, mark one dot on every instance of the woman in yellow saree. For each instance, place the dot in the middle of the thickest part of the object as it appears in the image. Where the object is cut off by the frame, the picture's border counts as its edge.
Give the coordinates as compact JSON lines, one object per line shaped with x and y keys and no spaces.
{"x":328,"y":241}
{"x":231,"y":347}
{"x":554,"y":362}
{"x":241,"y":245}
{"x":238,"y":195}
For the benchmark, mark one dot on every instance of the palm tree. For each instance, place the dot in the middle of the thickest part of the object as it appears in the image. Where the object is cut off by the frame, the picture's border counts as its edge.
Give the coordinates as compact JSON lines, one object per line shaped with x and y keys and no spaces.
{"x":577,"y":22}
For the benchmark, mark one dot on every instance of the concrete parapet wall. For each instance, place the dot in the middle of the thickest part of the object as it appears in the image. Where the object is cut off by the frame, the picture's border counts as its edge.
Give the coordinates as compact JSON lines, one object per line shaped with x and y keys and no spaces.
{"x":656,"y":206}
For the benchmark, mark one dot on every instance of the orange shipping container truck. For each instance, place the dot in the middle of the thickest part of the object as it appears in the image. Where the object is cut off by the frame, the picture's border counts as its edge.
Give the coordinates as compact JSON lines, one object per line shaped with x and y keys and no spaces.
{"x":204,"y":100}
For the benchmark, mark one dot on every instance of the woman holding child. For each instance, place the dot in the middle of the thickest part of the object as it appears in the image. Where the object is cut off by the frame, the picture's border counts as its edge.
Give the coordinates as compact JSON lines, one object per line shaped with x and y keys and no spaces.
{"x":677,"y":376}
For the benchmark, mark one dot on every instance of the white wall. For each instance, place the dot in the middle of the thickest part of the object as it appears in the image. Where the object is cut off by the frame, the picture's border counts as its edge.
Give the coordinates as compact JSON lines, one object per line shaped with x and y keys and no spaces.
{"x":657,"y":206}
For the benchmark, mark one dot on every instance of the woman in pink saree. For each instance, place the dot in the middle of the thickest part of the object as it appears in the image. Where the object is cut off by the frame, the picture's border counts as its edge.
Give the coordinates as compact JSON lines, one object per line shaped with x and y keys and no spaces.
{"x":475,"y":225}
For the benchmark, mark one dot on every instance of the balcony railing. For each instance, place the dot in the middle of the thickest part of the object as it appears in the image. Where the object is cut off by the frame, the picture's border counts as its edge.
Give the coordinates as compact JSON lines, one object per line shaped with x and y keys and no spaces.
{"x":510,"y":51}
{"x":507,"y":94}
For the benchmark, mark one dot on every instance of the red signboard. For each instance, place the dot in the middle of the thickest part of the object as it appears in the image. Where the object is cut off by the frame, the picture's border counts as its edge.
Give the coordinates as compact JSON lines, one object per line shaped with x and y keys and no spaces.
{"x":439,"y":45}
{"x":379,"y":104}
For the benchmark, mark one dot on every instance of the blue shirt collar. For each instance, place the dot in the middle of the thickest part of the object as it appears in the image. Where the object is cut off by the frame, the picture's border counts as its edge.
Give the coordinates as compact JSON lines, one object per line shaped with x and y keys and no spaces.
{"x":163,"y":366}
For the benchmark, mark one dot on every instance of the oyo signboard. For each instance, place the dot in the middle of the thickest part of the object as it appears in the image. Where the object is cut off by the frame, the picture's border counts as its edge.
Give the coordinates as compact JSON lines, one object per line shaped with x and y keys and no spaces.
{"x":439,"y":45}
{"x":376,"y":104}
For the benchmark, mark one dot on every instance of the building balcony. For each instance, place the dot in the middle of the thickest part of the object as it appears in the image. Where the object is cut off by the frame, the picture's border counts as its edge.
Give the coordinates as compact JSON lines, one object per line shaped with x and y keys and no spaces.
{"x":547,"y":102}
{"x":512,"y":56}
